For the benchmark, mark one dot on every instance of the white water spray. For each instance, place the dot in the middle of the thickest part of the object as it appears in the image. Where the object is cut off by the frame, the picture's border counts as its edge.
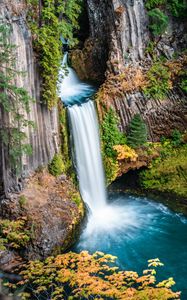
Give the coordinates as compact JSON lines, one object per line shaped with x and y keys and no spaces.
{"x":103,"y":218}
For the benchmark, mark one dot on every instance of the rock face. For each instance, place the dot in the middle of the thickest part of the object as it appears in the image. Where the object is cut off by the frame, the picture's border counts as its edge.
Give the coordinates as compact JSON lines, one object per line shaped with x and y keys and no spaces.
{"x":121,"y":34}
{"x":52,"y":215}
{"x":44,"y":139}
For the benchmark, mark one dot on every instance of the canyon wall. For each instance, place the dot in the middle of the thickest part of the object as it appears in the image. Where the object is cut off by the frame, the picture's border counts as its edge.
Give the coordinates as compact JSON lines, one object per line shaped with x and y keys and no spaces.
{"x":120,"y":33}
{"x":44,"y":138}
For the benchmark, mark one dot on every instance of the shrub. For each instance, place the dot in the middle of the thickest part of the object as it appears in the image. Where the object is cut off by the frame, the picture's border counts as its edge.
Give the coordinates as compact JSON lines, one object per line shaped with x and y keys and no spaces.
{"x":124,"y":152}
{"x":13,"y":234}
{"x":86,"y":276}
{"x":158,"y":21}
{"x":56,"y":167}
{"x":178,"y":8}
{"x":22,"y":201}
{"x":167,"y":173}
{"x":111,"y":168}
{"x":159,"y":82}
{"x":110,"y":134}
{"x":177,"y":138}
{"x":137,"y":132}
{"x":154,"y":3}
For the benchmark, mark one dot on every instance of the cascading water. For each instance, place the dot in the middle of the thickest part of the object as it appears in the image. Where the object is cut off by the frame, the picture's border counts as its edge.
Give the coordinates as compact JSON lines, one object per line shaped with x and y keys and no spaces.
{"x":124,"y":226}
{"x":84,"y":127}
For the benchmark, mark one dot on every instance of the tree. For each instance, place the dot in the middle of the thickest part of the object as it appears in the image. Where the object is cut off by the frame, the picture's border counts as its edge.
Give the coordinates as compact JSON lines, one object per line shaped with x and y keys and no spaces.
{"x":137,"y":132}
{"x":14,"y":102}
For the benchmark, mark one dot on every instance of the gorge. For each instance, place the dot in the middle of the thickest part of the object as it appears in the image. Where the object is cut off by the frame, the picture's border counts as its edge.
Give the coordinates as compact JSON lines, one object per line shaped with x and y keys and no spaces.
{"x":115,"y":104}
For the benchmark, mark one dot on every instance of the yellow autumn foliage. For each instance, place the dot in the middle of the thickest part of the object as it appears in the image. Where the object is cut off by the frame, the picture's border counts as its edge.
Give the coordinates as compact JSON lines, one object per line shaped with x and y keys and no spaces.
{"x":84,"y":276}
{"x":124,"y":152}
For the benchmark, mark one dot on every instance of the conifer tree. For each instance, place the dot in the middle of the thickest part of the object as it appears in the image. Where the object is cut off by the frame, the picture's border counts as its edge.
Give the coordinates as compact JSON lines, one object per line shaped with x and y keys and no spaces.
{"x":137,"y":132}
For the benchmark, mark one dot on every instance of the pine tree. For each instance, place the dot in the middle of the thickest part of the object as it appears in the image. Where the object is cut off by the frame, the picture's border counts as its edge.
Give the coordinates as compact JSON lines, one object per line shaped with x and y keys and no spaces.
{"x":137,"y":132}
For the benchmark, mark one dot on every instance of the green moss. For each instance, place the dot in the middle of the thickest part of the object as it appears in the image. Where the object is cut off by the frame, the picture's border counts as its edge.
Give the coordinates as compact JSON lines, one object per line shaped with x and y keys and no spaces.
{"x":167,"y":173}
{"x":57,"y":167}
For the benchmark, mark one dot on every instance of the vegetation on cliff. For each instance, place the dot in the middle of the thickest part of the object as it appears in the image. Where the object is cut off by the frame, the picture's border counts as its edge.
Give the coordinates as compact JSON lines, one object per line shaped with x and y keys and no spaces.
{"x":86,"y":276}
{"x":50,"y":21}
{"x":168,"y":173}
{"x":14,"y":100}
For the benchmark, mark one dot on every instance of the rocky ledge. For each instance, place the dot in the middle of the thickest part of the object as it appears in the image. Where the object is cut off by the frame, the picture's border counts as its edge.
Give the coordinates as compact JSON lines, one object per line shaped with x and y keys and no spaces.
{"x":53,"y":211}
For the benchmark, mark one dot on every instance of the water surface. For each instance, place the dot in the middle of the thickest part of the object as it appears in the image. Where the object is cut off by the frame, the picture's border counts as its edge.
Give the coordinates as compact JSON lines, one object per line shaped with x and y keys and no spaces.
{"x":136,"y":229}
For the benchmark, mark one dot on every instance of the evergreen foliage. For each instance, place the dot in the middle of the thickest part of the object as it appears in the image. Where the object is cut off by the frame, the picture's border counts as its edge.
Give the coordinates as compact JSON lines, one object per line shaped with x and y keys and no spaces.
{"x":14,"y":101}
{"x":158,"y":21}
{"x":137,"y":132}
{"x":56,"y":19}
{"x":111,"y":135}
{"x":178,"y":8}
{"x":150,"y":4}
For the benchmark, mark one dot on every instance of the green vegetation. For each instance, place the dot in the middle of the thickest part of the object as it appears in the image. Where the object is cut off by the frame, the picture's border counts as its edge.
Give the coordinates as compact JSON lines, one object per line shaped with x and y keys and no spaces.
{"x":158,"y":21}
{"x":158,"y":81}
{"x":13,"y":234}
{"x":150,"y":4}
{"x":14,"y":101}
{"x":65,"y":142}
{"x":22,"y":201}
{"x":177,"y":8}
{"x":168,"y":173}
{"x":137,"y":132}
{"x":86,"y":276}
{"x":76,"y":198}
{"x":56,"y":167}
{"x":55,"y":19}
{"x":111,"y":136}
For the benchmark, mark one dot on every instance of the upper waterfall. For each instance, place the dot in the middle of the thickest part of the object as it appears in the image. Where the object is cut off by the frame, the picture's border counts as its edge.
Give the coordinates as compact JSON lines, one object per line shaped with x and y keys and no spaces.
{"x":71,"y":89}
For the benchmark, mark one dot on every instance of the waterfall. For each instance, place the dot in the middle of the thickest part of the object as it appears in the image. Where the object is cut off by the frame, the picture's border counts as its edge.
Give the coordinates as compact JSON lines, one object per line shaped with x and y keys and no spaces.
{"x":85,"y":132}
{"x":84,"y":128}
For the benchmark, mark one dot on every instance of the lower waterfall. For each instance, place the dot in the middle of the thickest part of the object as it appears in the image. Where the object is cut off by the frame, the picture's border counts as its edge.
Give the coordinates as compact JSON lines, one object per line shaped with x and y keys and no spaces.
{"x":84,"y":127}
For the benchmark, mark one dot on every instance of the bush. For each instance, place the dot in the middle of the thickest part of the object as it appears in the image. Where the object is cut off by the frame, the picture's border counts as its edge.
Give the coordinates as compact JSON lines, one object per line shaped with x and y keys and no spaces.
{"x":167,"y":173}
{"x":137,"y":132}
{"x":158,"y":21}
{"x":177,"y":138}
{"x":178,"y":8}
{"x":110,"y":134}
{"x":86,"y":276}
{"x":124,"y":152}
{"x":150,"y":4}
{"x":13,"y":234}
{"x":56,"y":167}
{"x":158,"y":81}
